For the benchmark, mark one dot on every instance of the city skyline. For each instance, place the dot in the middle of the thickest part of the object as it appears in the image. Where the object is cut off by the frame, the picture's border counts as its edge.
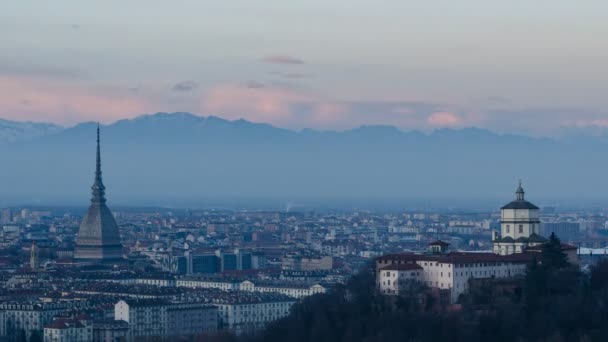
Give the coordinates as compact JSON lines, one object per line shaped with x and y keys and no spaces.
{"x":303,"y":171}
{"x":513,"y":67}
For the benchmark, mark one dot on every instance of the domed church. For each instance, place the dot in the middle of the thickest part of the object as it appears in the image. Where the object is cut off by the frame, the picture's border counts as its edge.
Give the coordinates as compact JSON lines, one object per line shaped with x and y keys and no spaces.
{"x":519,"y":226}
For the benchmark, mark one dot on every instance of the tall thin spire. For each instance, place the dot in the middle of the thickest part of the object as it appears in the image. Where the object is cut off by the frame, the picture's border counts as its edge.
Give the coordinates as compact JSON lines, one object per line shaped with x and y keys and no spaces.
{"x":520,"y":192}
{"x":98,"y":187}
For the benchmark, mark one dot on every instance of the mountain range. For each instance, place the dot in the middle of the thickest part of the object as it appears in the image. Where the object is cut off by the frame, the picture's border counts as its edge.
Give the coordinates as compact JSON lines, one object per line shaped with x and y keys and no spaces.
{"x":13,"y":131}
{"x":165,"y":158}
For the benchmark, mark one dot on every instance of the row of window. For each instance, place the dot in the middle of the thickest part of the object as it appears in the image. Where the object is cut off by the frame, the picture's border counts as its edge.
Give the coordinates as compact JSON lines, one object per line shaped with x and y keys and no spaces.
{"x":521,"y":228}
{"x":411,"y":274}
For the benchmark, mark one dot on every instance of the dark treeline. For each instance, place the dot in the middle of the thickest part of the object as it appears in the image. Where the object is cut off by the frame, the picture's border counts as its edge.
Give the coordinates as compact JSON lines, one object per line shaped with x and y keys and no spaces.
{"x":554,"y":302}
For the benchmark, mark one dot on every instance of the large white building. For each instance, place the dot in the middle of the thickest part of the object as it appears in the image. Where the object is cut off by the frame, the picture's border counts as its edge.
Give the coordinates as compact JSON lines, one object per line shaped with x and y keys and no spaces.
{"x":518,"y":244}
{"x":450,"y":271}
{"x":519,"y":226}
{"x":513,"y":249}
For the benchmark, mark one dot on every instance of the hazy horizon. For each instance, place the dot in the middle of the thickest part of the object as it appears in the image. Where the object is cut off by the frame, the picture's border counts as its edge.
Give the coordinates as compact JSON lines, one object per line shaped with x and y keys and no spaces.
{"x":174,"y":157}
{"x":594,"y":130}
{"x":454,"y":204}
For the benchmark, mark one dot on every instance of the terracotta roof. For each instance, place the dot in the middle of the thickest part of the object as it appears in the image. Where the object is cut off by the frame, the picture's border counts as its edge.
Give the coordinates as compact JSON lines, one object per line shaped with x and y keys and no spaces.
{"x":460,"y":257}
{"x":566,"y":246}
{"x":65,"y":323}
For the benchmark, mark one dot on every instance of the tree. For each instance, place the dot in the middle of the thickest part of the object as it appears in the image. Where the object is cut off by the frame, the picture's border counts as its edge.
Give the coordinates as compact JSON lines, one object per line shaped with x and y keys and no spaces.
{"x":21,"y":336}
{"x":553,"y":257}
{"x":35,"y":336}
{"x":599,"y":276}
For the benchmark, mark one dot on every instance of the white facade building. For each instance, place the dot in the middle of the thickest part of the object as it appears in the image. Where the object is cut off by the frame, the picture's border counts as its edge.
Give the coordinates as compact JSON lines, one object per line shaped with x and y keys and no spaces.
{"x":450,"y":271}
{"x":291,"y":289}
{"x":202,"y":283}
{"x":518,"y":244}
{"x":394,"y":277}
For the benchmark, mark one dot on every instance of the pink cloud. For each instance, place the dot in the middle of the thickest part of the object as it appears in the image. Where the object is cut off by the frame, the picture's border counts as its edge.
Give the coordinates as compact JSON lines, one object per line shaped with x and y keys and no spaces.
{"x":259,"y":104}
{"x":443,"y":119}
{"x":280,"y":106}
{"x":330,"y":113}
{"x":23,"y":98}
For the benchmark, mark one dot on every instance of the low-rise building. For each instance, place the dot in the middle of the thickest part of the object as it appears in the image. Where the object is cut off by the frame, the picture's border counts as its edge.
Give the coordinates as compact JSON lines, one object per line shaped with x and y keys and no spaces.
{"x":68,"y":330}
{"x":154,"y":318}
{"x":246,"y":313}
{"x":208,"y":283}
{"x":294,"y":289}
{"x":307,"y":263}
{"x":110,"y":331}
{"x":30,"y":317}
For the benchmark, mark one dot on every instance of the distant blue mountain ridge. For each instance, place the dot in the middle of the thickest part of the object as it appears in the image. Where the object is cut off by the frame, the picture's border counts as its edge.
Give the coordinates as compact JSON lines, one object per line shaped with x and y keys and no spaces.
{"x":165,"y":156}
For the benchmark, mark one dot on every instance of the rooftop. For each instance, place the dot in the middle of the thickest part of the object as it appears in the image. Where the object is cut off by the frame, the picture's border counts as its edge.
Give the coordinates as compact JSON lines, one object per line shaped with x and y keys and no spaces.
{"x":520,"y":202}
{"x":459,"y":257}
{"x":65,"y":323}
{"x":520,"y":205}
{"x":402,"y":267}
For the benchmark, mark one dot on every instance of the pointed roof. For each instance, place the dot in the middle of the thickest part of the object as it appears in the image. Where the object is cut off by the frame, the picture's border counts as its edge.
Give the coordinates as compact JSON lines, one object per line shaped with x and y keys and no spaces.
{"x":519,"y":193}
{"x":98,"y":227}
{"x":520,"y":202}
{"x":438,"y":243}
{"x":99,"y":190}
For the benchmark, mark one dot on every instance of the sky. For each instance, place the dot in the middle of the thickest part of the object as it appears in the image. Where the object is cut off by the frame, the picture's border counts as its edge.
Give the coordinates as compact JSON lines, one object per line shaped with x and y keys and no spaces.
{"x":517,"y":66}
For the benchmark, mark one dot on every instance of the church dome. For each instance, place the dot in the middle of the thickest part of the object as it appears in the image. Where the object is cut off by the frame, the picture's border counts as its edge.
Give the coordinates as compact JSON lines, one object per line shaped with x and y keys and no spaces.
{"x":520,"y":202}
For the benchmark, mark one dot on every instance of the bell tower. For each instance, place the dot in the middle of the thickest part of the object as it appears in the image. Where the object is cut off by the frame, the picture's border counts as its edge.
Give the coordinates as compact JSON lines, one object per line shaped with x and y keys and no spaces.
{"x":519,"y":225}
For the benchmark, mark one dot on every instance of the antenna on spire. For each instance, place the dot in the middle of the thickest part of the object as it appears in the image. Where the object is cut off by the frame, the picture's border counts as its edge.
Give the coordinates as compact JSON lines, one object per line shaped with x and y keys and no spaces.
{"x":98,"y":187}
{"x":98,"y":165}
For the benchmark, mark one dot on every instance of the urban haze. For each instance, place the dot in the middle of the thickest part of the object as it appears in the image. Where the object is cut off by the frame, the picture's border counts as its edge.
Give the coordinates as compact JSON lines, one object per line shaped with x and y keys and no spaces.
{"x":303,"y":171}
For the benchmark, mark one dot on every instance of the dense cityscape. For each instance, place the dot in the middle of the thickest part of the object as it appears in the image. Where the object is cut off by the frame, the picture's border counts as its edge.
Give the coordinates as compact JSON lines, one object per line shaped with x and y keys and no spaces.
{"x":303,"y":171}
{"x":139,"y":274}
